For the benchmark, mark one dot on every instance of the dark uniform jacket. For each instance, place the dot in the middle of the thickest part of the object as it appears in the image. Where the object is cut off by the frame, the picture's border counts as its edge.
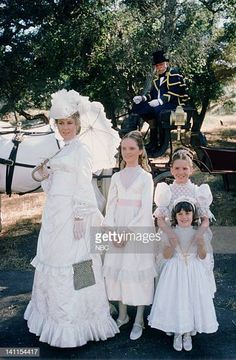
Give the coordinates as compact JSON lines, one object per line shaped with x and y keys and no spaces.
{"x":169,"y":87}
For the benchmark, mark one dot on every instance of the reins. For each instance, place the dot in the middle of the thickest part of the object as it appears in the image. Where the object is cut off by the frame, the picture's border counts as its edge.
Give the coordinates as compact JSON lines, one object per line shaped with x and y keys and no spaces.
{"x":11,"y":161}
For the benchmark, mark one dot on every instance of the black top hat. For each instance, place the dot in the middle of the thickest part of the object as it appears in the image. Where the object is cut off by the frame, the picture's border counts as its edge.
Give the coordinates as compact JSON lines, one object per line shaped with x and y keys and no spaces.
{"x":159,"y":57}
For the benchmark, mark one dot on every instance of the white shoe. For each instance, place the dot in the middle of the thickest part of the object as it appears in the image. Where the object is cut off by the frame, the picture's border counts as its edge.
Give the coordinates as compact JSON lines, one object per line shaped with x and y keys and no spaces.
{"x":136,"y":331}
{"x":122,"y":322}
{"x":169,"y":333}
{"x":187,"y":342}
{"x":177,"y":344}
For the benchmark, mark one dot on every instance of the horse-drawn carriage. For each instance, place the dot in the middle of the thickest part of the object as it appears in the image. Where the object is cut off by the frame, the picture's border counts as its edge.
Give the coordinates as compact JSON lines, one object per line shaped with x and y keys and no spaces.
{"x":212,"y":160}
{"x":40,"y":143}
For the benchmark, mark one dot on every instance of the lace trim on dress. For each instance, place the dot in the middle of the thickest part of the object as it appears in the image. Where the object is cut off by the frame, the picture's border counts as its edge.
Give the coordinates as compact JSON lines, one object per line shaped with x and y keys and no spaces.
{"x":161,"y":211}
{"x":179,"y":190}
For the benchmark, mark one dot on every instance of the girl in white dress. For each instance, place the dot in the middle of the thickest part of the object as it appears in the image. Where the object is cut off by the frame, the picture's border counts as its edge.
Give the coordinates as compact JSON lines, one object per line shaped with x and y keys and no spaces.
{"x":165,"y":195}
{"x":129,"y":271}
{"x":183,"y":301}
{"x":60,"y":315}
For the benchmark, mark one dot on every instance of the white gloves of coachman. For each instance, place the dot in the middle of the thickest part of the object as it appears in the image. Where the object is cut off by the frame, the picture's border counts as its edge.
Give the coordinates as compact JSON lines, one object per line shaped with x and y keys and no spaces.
{"x":79,"y":228}
{"x":137,"y":99}
{"x":153,"y":103}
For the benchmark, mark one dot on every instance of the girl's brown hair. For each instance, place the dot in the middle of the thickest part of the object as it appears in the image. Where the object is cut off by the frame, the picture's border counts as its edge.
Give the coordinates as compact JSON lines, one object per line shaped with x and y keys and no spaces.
{"x":186,"y":206}
{"x":143,"y":159}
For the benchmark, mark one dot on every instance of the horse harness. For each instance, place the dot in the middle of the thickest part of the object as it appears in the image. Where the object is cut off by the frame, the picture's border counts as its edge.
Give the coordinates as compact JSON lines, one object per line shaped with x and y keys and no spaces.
{"x":11,"y":161}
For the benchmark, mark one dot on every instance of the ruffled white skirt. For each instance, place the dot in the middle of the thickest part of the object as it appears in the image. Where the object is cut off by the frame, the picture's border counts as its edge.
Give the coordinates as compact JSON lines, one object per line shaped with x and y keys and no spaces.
{"x":129,"y":278}
{"x":129,"y":273}
{"x":58,"y":314}
{"x":183,"y":298}
{"x":63,"y":317}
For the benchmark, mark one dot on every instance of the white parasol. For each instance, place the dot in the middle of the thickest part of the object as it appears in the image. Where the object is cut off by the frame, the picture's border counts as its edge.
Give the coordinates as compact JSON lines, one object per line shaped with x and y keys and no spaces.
{"x":97,"y":133}
{"x":96,"y":130}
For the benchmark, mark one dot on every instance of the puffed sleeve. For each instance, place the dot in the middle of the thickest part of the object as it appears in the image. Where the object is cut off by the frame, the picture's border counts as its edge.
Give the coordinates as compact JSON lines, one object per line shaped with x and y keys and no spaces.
{"x":162,"y":199}
{"x":84,"y":200}
{"x":144,"y":215}
{"x":109,"y":219}
{"x":204,"y":200}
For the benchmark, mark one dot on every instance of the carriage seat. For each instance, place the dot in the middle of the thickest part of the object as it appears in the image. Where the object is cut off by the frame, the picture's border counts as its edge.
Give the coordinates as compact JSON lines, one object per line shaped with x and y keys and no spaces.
{"x":217,"y":161}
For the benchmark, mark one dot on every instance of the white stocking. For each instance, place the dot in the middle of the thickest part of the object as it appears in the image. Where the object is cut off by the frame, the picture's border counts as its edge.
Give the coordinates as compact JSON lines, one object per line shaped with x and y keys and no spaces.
{"x":122,"y":311}
{"x":139,"y":314}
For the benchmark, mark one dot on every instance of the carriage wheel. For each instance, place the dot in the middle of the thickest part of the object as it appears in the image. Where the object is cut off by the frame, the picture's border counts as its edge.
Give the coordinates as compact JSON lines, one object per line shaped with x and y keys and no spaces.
{"x":166,"y":176}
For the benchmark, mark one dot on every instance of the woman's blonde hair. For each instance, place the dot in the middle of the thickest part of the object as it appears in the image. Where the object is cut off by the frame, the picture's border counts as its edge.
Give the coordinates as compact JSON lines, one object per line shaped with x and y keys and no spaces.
{"x":76,"y":118}
{"x":143,"y":159}
{"x":182,"y":154}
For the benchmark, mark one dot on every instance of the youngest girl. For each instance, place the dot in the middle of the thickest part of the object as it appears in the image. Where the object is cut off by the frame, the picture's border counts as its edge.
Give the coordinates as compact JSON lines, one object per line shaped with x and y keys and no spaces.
{"x":183,"y":302}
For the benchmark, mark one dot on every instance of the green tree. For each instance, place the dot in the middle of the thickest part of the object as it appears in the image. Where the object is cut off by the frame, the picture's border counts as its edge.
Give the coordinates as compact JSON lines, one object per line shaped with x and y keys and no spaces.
{"x":102,"y":48}
{"x":205,"y":32}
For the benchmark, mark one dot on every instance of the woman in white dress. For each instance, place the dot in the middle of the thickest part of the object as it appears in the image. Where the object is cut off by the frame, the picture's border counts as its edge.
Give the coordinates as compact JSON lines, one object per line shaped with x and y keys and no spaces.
{"x":129,"y":269}
{"x":60,"y":315}
{"x":183,"y":301}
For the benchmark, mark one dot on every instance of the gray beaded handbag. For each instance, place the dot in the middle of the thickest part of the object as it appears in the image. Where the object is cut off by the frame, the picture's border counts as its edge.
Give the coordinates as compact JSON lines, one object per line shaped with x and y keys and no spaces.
{"x":83,"y":274}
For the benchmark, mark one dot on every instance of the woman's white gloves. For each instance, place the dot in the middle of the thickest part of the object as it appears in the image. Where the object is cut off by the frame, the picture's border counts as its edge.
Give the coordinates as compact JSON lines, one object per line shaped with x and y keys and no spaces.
{"x":79,"y":228}
{"x":43,"y":172}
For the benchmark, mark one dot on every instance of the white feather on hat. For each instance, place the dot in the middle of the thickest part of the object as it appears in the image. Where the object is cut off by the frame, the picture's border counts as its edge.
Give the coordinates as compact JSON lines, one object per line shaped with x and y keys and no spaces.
{"x":66,"y":103}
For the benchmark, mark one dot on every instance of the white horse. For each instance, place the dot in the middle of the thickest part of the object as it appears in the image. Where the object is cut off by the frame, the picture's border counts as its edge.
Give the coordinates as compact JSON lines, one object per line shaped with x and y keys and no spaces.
{"x":21,"y":150}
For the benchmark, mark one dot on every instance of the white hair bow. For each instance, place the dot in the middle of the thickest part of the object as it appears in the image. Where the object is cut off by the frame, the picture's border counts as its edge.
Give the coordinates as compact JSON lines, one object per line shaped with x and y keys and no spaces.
{"x":188,"y":199}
